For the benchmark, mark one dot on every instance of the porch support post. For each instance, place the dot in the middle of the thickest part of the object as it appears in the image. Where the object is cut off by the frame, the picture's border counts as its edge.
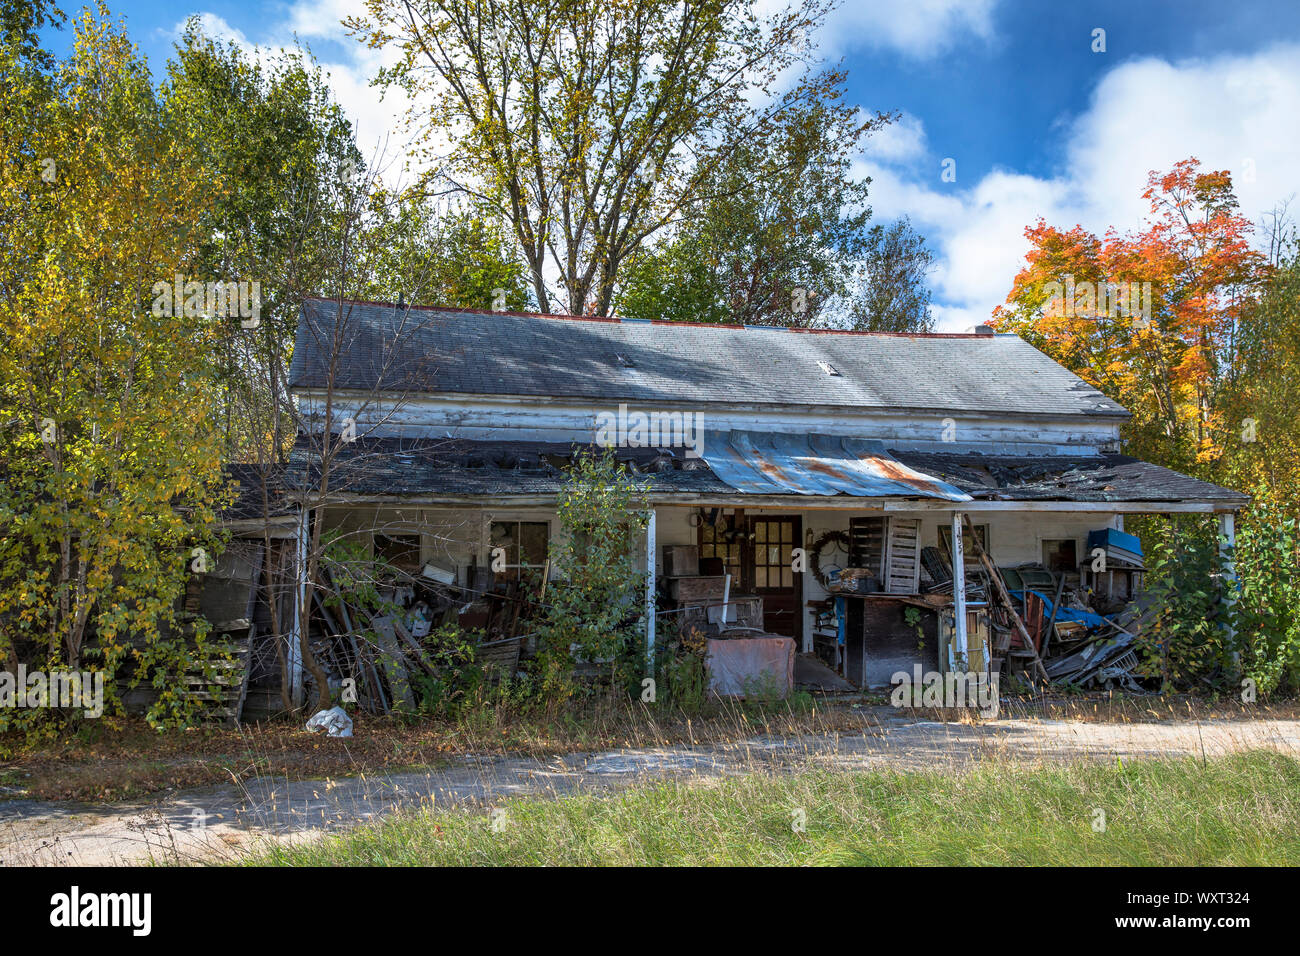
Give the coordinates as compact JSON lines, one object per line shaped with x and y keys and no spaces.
{"x":958,"y":593}
{"x":1228,"y":541}
{"x":650,"y":592}
{"x":300,"y":617}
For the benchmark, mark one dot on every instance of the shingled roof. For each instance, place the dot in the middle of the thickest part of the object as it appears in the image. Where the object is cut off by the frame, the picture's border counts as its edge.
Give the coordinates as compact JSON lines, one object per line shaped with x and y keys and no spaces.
{"x":623,"y":360}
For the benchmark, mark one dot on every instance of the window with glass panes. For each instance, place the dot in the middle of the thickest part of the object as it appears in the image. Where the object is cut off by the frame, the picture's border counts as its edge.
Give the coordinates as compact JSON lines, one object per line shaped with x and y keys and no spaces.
{"x":714,"y":544}
{"x":525,"y":544}
{"x":773,"y":552}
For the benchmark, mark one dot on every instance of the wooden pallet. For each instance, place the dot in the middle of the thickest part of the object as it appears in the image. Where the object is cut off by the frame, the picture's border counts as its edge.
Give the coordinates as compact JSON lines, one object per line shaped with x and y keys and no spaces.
{"x":501,"y":658}
{"x":222,"y":694}
{"x":867,"y":545}
{"x":903,"y":556}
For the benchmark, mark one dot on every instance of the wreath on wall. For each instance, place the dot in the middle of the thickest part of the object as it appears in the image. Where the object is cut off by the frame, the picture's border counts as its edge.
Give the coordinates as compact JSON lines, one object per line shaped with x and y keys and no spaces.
{"x":841,"y":541}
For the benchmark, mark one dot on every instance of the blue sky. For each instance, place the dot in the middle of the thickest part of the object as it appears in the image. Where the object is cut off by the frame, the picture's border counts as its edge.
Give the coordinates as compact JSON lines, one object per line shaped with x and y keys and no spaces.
{"x":1034,"y":121}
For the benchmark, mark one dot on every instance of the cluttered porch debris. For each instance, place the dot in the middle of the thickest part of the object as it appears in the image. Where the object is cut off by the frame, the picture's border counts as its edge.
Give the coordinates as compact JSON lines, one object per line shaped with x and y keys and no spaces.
{"x":892,"y":604}
{"x":384,"y":651}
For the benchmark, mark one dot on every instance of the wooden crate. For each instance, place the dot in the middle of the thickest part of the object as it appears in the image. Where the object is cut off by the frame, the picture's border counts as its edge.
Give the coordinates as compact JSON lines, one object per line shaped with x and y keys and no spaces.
{"x":692,"y":590}
{"x":681,"y":560}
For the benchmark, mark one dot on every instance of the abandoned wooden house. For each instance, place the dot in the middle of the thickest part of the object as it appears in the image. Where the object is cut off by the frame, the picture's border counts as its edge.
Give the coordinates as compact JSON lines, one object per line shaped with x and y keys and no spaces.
{"x":807,"y":487}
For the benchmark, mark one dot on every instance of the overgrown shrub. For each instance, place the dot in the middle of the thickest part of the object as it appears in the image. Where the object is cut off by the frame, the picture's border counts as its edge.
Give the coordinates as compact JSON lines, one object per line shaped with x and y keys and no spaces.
{"x":456,"y":678}
{"x":1266,"y":614}
{"x":1185,"y":642}
{"x":1209,"y":632}
{"x":681,"y":681}
{"x":594,"y":611}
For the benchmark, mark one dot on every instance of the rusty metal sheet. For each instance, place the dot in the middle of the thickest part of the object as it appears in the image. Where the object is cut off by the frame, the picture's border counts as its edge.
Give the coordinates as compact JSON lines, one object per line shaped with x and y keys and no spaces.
{"x":766,"y":463}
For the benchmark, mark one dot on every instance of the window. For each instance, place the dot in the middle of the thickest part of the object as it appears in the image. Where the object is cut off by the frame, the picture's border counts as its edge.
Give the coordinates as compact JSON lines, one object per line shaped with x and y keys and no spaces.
{"x":720,"y":543}
{"x":773,"y":553}
{"x":967,"y":551}
{"x":525,"y":544}
{"x":402,"y":551}
{"x":1061,"y":554}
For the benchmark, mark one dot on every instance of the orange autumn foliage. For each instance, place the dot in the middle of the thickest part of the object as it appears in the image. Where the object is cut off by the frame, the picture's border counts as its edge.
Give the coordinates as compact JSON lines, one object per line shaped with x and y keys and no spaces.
{"x":1150,"y":317}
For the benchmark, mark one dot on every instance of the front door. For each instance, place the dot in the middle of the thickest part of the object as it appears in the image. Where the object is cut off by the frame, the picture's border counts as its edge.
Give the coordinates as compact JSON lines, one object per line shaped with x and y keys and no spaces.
{"x":758,"y":551}
{"x":774,"y":539}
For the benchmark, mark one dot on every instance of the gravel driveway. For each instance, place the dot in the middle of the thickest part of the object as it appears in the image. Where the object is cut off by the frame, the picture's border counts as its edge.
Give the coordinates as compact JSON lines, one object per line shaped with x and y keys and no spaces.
{"x":218,"y":822}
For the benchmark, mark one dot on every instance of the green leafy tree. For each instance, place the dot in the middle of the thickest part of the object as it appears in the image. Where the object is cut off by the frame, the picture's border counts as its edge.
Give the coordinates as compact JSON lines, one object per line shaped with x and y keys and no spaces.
{"x":280,"y":165}
{"x":109,"y":465}
{"x":595,"y":611}
{"x":784,"y":238}
{"x":773,"y":238}
{"x":890,"y":289}
{"x":459,"y":258}
{"x":1266,"y":603}
{"x":592,"y":127}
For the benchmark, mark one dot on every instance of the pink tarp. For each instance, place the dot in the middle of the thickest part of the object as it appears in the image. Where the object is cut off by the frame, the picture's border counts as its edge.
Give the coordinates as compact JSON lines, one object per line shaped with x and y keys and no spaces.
{"x":751,"y":666}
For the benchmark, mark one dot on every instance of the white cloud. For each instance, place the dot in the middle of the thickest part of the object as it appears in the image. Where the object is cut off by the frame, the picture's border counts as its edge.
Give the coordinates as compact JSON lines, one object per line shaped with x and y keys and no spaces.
{"x":917,"y":28}
{"x":215,"y":27}
{"x":900,"y":141}
{"x":1236,"y":113}
{"x":1232,"y":112}
{"x":322,"y":19}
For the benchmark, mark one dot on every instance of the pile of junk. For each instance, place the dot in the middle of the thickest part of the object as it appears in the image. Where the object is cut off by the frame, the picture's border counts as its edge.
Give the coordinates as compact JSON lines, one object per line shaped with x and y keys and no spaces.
{"x":1085,"y":623}
{"x":386,"y":650}
{"x":1073,"y":621}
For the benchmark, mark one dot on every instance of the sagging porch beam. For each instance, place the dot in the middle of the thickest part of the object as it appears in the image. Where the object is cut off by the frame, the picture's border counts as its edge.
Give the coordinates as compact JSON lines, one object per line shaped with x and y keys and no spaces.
{"x":811,"y":503}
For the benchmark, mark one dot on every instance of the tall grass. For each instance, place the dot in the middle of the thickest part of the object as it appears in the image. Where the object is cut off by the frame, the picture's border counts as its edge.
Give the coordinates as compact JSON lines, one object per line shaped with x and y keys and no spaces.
{"x":1237,"y":810}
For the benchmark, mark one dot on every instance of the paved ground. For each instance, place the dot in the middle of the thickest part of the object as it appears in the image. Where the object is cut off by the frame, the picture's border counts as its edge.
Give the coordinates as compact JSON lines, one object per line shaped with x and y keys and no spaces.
{"x":217,"y":822}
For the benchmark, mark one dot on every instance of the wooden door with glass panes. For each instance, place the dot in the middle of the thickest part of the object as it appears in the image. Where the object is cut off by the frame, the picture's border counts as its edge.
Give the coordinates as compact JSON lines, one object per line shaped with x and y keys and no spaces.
{"x":771,"y":556}
{"x":758,"y":553}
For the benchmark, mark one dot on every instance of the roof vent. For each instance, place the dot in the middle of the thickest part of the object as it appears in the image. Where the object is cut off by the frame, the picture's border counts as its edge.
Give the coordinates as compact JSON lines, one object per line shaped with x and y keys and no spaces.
{"x":625,"y":360}
{"x":983,"y":330}
{"x":828,"y":368}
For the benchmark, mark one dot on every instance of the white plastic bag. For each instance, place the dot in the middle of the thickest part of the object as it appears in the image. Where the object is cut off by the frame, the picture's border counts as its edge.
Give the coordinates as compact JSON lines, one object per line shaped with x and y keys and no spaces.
{"x":335,"y":722}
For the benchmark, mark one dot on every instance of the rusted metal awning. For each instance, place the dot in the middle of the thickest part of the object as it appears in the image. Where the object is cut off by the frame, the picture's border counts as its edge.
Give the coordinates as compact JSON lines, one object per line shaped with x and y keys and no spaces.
{"x":766,"y":463}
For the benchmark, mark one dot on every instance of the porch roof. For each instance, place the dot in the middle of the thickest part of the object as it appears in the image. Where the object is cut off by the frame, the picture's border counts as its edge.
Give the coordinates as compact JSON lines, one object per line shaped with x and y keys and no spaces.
{"x":463,"y":470}
{"x":772,"y":463}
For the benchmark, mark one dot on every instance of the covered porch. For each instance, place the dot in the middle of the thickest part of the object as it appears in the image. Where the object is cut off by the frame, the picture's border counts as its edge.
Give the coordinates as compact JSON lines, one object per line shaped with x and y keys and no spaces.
{"x":870,"y":560}
{"x":988,"y":587}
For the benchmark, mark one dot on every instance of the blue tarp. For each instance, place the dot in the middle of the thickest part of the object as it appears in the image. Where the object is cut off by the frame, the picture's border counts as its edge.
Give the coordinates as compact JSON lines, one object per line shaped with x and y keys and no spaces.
{"x":1065,"y":613}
